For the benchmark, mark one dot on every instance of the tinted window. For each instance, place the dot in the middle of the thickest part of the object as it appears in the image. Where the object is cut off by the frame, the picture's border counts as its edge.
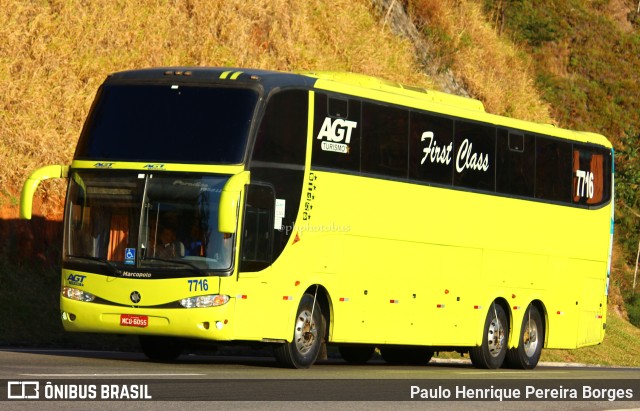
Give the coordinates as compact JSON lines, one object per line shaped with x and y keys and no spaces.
{"x":515,"y":167}
{"x":553,"y":170}
{"x":431,"y":146}
{"x":278,"y":160}
{"x":282,"y":137}
{"x":168,"y":123}
{"x":384,"y":140}
{"x":474,"y":162}
{"x":591,"y":184}
{"x":336,"y":141}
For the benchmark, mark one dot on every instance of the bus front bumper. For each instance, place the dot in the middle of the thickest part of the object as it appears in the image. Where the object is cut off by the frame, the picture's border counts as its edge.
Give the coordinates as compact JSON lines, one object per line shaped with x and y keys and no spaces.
{"x":213,"y":323}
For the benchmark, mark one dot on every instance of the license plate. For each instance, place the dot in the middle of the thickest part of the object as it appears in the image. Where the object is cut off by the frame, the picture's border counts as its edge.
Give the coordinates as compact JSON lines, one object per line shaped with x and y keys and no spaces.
{"x":130,"y":320}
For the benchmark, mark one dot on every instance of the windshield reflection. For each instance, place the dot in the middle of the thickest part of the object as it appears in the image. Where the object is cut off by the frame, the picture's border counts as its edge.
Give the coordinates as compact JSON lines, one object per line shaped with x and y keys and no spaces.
{"x":146,"y":220}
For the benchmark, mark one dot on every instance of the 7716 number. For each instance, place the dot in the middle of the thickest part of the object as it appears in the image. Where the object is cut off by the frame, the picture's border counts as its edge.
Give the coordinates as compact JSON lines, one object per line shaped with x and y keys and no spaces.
{"x":198,"y":285}
{"x":584,"y":185}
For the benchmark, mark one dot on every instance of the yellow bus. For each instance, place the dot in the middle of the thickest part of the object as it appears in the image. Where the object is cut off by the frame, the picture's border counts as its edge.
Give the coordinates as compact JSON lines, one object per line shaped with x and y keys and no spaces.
{"x":302,"y":209}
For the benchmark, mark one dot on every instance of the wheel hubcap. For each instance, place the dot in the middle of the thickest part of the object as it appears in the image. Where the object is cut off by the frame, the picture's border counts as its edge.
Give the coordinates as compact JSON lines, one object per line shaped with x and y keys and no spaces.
{"x":495,"y":337}
{"x":530,"y":338}
{"x":306,"y":332}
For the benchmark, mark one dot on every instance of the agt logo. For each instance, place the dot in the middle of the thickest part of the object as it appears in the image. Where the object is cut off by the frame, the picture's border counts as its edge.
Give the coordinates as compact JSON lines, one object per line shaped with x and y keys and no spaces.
{"x":76,"y":279}
{"x":337,"y":132}
{"x":154,"y":167}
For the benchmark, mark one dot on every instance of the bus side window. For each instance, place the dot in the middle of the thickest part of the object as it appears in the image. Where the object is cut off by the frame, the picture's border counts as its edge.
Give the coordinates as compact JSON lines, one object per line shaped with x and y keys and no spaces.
{"x":257,"y":228}
{"x":385,"y":140}
{"x":474,"y":161}
{"x":553,"y":170}
{"x":589,"y":182}
{"x":431,"y":148}
{"x":336,"y":120}
{"x":515,"y":163}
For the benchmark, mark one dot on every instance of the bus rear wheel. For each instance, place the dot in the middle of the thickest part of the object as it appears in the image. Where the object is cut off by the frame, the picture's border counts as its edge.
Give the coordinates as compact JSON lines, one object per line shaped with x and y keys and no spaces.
{"x":161,"y":348}
{"x":356,"y":354}
{"x":495,"y":336}
{"x":527,"y":354}
{"x":308,"y":336}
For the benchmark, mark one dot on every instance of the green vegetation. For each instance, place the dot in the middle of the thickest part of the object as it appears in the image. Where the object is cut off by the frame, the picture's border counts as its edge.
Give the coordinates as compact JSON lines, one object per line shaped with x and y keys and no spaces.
{"x":569,"y":62}
{"x":587,"y":56}
{"x":586,"y":60}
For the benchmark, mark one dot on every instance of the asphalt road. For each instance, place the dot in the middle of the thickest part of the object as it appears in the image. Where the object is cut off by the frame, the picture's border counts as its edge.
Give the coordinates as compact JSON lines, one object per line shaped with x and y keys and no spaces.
{"x":232,"y":382}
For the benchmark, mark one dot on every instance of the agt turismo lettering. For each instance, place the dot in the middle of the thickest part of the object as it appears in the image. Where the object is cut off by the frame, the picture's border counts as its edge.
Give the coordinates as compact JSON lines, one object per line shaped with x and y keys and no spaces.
{"x":76,"y":279}
{"x":337,"y":131}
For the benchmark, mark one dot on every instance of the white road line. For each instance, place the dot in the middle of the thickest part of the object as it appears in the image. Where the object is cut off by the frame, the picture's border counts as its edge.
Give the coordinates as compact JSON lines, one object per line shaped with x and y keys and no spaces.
{"x":110,"y":375}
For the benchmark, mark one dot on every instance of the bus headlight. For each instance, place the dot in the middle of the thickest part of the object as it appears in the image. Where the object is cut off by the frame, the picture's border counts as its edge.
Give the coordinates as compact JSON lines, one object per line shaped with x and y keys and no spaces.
{"x":204,"y":301}
{"x":77,"y":294}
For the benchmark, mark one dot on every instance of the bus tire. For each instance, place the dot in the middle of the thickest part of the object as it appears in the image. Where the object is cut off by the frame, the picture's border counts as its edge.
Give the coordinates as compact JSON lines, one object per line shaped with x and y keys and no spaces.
{"x":527,"y":354}
{"x":161,"y":348}
{"x":495,"y":336}
{"x":356,"y":354}
{"x":407,"y":355}
{"x":308,"y":336}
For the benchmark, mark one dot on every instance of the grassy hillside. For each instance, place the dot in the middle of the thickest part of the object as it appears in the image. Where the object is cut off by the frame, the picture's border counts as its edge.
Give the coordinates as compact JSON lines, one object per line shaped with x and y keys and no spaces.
{"x":533,"y":63}
{"x":54,"y":54}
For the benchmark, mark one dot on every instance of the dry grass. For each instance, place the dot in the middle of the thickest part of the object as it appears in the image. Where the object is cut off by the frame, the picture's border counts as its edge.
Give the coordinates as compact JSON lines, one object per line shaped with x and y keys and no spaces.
{"x":54,"y":55}
{"x":492,"y":68}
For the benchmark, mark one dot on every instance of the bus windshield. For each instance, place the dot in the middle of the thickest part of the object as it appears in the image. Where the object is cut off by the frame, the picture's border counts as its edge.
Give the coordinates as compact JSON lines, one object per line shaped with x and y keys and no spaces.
{"x":124,"y":221}
{"x":168,"y":123}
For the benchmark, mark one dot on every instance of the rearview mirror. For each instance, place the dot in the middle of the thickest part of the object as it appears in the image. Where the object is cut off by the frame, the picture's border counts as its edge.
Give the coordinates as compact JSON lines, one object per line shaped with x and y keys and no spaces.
{"x":229,"y":202}
{"x":30,"y":186}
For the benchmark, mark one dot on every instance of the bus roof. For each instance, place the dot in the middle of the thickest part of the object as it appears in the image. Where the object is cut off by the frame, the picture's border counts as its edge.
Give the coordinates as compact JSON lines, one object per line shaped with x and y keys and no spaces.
{"x":357,"y":85}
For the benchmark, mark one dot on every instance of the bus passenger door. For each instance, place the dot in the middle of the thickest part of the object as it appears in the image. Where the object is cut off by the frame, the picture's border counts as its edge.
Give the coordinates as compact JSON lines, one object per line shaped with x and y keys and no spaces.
{"x":255,"y":257}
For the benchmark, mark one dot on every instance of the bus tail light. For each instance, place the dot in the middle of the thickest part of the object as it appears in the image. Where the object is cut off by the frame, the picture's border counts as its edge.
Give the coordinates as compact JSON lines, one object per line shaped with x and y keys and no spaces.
{"x":204,"y":301}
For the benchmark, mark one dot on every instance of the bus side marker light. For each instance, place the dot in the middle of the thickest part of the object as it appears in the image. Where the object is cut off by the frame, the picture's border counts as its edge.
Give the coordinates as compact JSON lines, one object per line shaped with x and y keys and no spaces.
{"x":287,"y":298}
{"x":516,"y":307}
{"x":599,"y":317}
{"x":560,"y":313}
{"x":513,"y":296}
{"x":394,"y":301}
{"x":477,"y":307}
{"x":440,"y":305}
{"x":241,"y":297}
{"x":344,"y":299}
{"x":446,"y":291}
{"x":297,"y":283}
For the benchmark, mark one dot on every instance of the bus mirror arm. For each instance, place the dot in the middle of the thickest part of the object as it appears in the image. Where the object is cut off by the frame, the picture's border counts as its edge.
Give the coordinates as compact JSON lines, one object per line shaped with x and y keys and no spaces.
{"x":229,"y":202}
{"x":30,"y":186}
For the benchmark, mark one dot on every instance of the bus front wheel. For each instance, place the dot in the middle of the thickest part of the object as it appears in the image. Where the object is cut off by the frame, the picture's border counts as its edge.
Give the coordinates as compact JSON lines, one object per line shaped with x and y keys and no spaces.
{"x":527,"y":354}
{"x":495,"y":336}
{"x":308,"y":335}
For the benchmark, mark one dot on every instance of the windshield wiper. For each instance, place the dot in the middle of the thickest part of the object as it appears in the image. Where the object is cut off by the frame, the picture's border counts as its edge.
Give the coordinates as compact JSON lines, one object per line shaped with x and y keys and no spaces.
{"x":114,"y":268}
{"x":194,"y":267}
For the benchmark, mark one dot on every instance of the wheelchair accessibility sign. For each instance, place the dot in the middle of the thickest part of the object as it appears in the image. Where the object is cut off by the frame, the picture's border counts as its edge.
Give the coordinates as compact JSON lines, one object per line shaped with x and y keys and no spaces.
{"x":130,"y":256}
